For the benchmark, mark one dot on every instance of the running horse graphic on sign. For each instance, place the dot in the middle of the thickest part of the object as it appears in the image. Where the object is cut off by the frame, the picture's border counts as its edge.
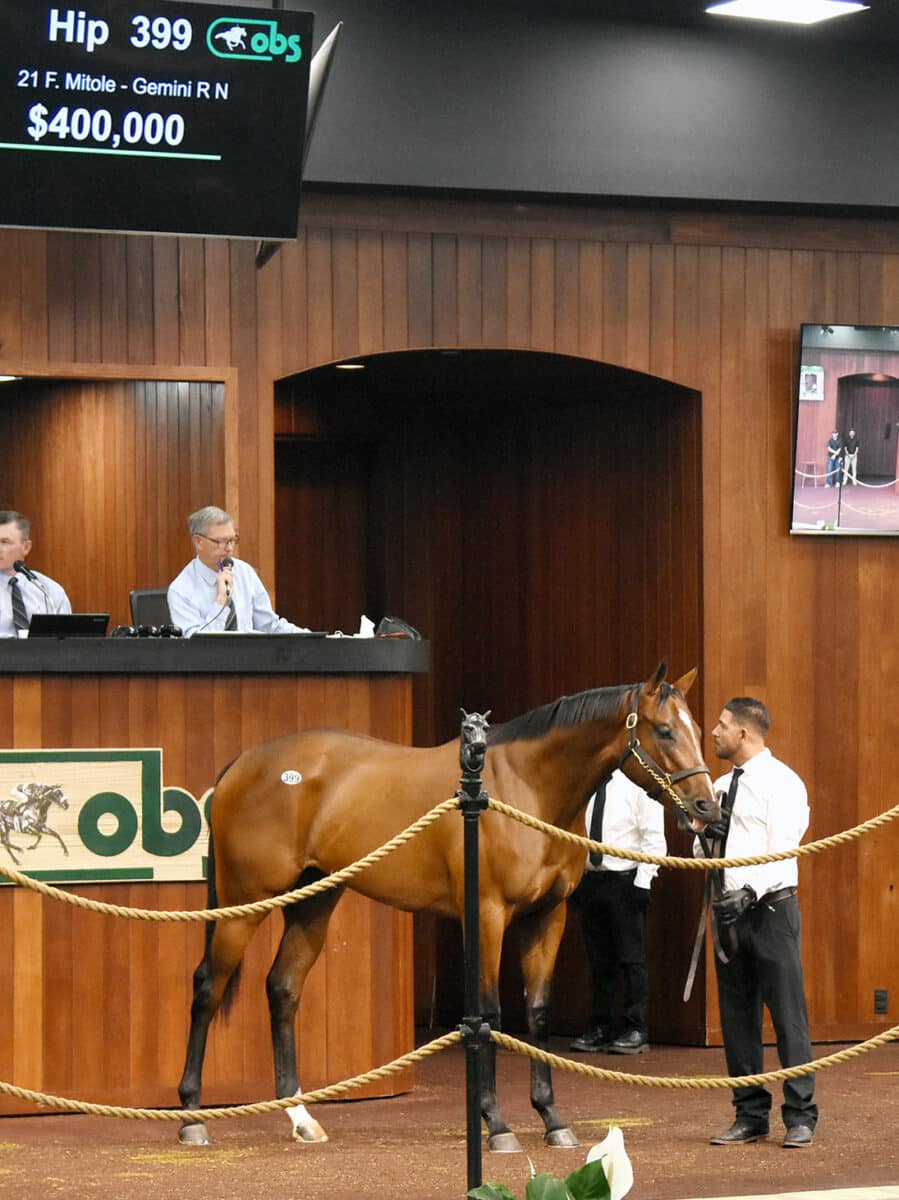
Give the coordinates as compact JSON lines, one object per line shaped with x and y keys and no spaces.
{"x":25,"y":812}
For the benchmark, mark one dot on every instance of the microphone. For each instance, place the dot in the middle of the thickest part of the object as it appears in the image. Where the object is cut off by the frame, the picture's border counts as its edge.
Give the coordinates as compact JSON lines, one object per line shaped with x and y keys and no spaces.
{"x":226,"y":562}
{"x":20,"y":568}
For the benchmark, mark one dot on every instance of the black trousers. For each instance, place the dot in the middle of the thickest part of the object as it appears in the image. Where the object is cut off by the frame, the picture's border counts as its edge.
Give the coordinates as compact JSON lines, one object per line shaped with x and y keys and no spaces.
{"x":766,"y":972}
{"x":612,"y":918}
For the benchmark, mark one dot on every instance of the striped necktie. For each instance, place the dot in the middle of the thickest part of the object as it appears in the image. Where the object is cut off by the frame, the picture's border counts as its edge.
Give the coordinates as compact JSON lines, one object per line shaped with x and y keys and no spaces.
{"x":231,"y":619}
{"x":19,"y":613}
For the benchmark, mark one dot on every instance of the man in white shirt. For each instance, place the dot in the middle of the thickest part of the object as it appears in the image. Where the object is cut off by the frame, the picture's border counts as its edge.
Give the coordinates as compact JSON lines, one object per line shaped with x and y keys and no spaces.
{"x":759,"y":925}
{"x":23,"y":592}
{"x":217,"y":592}
{"x":612,"y":899}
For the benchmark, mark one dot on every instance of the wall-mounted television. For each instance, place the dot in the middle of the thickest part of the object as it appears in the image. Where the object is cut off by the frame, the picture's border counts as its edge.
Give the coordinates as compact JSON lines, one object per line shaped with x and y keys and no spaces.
{"x":174,"y":117}
{"x":846,"y":444}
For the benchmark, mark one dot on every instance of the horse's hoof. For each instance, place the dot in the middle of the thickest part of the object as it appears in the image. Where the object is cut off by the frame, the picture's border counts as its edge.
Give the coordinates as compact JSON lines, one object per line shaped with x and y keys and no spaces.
{"x":561,"y":1139}
{"x":305,"y":1127}
{"x":193,"y":1135}
{"x":310,"y":1133}
{"x":504,"y":1143}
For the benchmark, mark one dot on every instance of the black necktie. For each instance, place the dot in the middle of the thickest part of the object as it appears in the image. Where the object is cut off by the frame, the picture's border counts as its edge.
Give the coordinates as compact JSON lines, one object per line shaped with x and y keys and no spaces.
{"x":231,"y":619}
{"x":728,"y":806}
{"x":19,"y":613}
{"x":599,"y":804}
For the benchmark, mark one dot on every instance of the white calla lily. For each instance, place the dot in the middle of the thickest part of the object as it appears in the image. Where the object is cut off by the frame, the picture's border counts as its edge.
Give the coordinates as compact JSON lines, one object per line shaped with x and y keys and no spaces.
{"x":615,"y":1162}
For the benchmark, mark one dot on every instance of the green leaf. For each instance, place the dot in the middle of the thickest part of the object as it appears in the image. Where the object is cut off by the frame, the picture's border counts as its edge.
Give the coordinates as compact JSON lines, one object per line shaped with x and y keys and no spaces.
{"x":588,"y":1183}
{"x":545,"y":1187}
{"x":491,"y":1191}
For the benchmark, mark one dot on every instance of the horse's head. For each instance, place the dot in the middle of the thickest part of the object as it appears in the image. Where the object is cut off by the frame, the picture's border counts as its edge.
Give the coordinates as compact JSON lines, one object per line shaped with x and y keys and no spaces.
{"x":47,"y":794}
{"x":663,"y":753}
{"x":56,"y":795}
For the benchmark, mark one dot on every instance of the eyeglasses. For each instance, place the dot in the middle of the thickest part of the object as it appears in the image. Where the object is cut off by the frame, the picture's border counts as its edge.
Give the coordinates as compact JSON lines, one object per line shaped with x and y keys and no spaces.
{"x":221,"y":542}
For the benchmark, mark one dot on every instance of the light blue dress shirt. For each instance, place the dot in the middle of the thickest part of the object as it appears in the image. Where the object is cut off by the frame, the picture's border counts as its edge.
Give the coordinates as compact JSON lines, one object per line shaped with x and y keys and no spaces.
{"x":55,"y":600}
{"x":194,"y":608}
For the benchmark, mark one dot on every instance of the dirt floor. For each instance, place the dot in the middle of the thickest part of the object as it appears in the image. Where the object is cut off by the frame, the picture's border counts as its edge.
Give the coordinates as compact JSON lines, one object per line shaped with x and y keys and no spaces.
{"x":413,"y":1146}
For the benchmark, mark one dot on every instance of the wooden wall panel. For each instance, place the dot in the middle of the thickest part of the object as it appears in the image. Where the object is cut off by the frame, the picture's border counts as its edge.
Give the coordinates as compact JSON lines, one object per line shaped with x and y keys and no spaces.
{"x":713,"y":300}
{"x":107,"y":472}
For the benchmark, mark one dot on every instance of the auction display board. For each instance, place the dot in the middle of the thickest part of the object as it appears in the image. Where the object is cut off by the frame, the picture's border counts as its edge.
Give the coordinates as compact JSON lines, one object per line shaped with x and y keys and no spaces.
{"x":154,"y":117}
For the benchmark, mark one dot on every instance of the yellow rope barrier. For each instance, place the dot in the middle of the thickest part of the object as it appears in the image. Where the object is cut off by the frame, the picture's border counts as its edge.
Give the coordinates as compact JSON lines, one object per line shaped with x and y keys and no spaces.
{"x":258,"y":907}
{"x":236,"y":910}
{"x":505,"y":1041}
{"x":333,"y":1092}
{"x":694,"y":1081}
{"x":699,"y":864}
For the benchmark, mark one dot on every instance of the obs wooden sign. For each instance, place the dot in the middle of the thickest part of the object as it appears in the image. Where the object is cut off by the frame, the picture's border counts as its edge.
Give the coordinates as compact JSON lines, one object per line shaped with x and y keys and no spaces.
{"x":70,"y":816}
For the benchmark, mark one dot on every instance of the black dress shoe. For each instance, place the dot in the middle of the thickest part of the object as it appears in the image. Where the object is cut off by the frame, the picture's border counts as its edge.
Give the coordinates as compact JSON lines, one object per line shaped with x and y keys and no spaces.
{"x":798,"y":1136}
{"x":633,"y":1042}
{"x":592,"y":1039}
{"x":742,"y":1130}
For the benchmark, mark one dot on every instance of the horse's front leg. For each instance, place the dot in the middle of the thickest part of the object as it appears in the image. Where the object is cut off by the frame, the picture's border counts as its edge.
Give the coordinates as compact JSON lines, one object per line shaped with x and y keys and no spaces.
{"x":541,"y":934}
{"x":305,"y":926}
{"x":53,"y":833}
{"x":500,"y":1137}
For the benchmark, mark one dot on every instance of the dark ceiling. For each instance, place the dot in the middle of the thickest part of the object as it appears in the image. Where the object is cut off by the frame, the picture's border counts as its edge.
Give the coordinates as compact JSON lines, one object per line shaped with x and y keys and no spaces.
{"x":879,"y":23}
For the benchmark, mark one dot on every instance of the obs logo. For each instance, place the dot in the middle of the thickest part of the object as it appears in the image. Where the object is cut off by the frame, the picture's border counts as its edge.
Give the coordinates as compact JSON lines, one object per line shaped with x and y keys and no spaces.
{"x":260,"y":41}
{"x":108,"y":815}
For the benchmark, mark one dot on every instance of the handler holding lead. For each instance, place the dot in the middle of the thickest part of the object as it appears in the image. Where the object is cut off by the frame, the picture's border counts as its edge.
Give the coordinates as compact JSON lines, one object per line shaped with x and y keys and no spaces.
{"x":766,"y":810}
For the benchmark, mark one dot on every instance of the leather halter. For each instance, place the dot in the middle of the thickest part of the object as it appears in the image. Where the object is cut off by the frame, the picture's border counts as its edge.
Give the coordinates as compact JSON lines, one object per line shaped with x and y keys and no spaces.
{"x":664,"y":781}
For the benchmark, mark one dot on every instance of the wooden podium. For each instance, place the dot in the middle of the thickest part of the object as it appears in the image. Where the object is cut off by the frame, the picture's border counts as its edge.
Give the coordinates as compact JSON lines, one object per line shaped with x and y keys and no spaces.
{"x":96,"y":1007}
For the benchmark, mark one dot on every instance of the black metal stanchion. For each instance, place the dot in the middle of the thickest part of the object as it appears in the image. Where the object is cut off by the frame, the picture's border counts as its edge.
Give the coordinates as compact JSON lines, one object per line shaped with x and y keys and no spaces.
{"x":475,"y":1031}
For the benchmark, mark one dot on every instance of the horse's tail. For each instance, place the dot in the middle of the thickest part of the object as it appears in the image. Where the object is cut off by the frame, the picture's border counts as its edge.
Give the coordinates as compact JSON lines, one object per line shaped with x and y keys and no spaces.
{"x":212,"y":901}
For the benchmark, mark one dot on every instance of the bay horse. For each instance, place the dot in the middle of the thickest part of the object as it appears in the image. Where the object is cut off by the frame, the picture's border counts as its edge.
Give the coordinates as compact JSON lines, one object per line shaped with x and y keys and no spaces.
{"x":296,"y":808}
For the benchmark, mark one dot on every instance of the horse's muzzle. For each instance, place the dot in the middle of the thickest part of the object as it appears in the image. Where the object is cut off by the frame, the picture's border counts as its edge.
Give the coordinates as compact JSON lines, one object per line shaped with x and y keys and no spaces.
{"x":702,"y":812}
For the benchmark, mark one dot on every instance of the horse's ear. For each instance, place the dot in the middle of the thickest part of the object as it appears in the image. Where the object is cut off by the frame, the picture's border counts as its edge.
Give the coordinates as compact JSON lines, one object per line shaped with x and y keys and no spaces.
{"x":661,"y":671}
{"x":487,"y":714}
{"x":464,"y":714}
{"x":686,"y":681}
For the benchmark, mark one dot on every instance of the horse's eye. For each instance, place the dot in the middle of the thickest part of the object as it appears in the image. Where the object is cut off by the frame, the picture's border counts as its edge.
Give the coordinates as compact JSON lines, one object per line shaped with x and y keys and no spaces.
{"x":664,"y":732}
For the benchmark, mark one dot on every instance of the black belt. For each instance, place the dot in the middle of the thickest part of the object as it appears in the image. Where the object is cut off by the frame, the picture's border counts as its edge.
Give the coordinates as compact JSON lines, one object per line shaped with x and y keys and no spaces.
{"x":780,"y":894}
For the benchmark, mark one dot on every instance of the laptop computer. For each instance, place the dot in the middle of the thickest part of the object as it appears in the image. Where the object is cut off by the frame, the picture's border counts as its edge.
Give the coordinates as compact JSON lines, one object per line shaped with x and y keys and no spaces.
{"x":68,"y":625}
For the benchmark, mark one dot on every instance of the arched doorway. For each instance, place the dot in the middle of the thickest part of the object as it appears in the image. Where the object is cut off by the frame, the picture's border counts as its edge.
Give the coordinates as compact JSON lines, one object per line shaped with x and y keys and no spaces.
{"x":537,"y":516}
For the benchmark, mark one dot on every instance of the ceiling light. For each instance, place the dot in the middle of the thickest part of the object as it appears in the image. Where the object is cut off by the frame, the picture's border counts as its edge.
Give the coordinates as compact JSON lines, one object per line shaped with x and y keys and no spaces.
{"x":350,"y":366}
{"x":793,"y":12}
{"x":9,"y":378}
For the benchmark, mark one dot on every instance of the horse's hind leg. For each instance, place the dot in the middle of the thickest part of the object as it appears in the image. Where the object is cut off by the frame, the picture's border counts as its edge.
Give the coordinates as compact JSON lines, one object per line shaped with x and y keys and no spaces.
{"x":540,"y":938}
{"x":305,"y":926}
{"x":223,"y":954}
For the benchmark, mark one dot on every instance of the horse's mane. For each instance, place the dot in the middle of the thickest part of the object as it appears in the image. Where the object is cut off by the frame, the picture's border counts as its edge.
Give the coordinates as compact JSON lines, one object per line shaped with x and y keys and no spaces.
{"x":567,"y":710}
